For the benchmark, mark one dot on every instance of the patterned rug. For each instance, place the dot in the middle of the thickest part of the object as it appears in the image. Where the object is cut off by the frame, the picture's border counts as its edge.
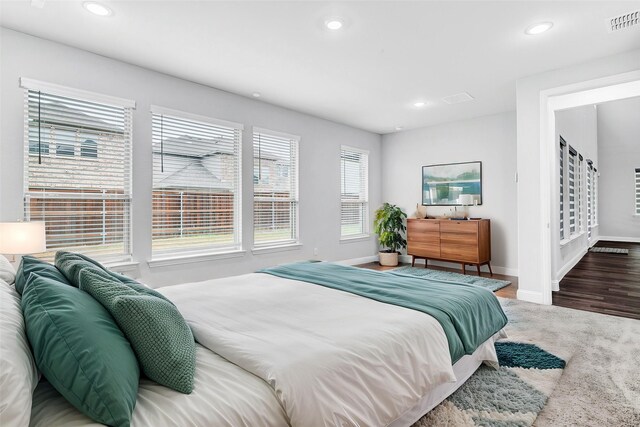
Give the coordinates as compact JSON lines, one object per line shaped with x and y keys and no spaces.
{"x":511,"y":396}
{"x":447,"y":276}
{"x":604,"y":250}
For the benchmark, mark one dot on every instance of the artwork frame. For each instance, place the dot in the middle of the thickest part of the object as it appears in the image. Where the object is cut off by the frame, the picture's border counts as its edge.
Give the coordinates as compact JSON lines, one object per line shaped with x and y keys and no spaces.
{"x":443,"y":184}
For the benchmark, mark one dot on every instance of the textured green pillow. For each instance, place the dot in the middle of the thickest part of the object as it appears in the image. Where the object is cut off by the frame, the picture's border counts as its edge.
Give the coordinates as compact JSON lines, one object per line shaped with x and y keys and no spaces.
{"x":30,"y":265}
{"x":70,"y":264}
{"x":80,"y":350}
{"x":158,"y":333}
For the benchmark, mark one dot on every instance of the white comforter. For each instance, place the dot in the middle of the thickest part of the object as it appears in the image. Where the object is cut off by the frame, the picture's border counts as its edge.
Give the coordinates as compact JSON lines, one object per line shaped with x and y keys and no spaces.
{"x":331,"y":357}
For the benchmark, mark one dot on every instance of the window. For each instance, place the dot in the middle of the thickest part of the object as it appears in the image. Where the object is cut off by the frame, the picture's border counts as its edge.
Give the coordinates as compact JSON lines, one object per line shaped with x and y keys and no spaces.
{"x":589,"y":197}
{"x":573,"y":154}
{"x":86,"y":204}
{"x":89,"y":148}
{"x":594,"y":183}
{"x":196,"y":183}
{"x":580,"y":207}
{"x":563,"y":145}
{"x":637,"y":191}
{"x":354,"y":192}
{"x":275,"y":188}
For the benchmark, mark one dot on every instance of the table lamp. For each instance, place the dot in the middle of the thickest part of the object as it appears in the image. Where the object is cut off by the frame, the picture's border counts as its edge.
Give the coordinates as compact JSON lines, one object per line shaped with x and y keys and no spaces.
{"x":466,"y":200}
{"x":22,"y":238}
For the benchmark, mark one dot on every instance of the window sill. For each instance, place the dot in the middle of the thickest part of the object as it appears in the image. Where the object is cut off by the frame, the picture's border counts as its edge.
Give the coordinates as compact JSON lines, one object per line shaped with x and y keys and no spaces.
{"x":192,"y":258}
{"x":125,"y":268}
{"x":353,"y":239}
{"x":276,"y":248}
{"x":571,"y":239}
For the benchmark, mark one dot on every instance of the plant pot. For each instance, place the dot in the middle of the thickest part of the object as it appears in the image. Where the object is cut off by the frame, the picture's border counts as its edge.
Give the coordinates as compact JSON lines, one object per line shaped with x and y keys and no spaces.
{"x":388,"y":259}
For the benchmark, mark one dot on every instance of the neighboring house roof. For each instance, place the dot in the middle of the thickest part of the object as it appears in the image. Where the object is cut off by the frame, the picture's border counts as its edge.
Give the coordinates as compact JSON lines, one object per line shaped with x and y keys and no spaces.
{"x":193,"y":176}
{"x":186,"y":145}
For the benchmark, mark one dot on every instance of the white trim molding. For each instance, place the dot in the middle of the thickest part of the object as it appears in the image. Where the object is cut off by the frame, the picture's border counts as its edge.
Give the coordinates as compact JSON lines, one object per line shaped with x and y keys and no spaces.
{"x":193,"y":258}
{"x":567,"y":268}
{"x":620,"y":239}
{"x":530,"y":296}
{"x":59,"y":90}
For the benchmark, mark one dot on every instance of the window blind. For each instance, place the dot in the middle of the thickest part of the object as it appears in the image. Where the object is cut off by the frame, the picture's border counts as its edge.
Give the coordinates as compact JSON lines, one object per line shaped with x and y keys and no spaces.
{"x":354,"y":192}
{"x":562,"y":148}
{"x":589,"y":196}
{"x":637,"y":191}
{"x":196,"y":183}
{"x":594,"y":183}
{"x":275,"y":188}
{"x":77,"y":172}
{"x":580,"y":207}
{"x":572,"y":190}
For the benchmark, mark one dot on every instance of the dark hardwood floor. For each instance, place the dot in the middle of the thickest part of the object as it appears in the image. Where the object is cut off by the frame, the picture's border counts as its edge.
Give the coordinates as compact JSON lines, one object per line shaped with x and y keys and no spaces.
{"x":506,"y":292}
{"x":604,"y":283}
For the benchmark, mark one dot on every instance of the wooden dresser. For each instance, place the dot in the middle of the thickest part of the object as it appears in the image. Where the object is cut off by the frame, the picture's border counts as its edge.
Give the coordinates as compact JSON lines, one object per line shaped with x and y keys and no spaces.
{"x":465,"y":242}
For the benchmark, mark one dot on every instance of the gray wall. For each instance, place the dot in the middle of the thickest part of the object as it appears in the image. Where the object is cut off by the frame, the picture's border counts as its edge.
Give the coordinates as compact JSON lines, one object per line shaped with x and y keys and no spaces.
{"x":619,"y":155}
{"x":27,"y":56}
{"x":490,"y":139}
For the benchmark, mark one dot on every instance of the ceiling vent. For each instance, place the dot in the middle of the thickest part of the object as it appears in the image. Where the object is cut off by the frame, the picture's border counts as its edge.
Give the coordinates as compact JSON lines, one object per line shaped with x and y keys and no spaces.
{"x":622,"y":22}
{"x":457,"y":98}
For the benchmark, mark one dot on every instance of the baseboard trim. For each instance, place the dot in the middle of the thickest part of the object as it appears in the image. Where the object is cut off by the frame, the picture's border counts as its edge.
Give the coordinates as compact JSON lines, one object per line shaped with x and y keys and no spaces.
{"x":496,"y":268}
{"x":356,"y":261}
{"x":530,"y":296}
{"x":567,"y":268}
{"x":620,"y":239}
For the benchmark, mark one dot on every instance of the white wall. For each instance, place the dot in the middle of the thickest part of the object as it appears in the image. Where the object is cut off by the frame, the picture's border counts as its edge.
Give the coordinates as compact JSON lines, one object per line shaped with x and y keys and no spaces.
{"x":619,"y":156}
{"x":530,"y":211}
{"x":578,"y":127}
{"x":490,"y":139}
{"x":26,"y":56}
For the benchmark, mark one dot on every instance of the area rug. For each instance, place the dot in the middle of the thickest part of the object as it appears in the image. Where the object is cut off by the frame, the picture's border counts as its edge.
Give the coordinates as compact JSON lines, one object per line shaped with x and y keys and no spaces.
{"x":599,"y":385}
{"x":512,"y":395}
{"x":602,"y":249}
{"x":447,"y":276}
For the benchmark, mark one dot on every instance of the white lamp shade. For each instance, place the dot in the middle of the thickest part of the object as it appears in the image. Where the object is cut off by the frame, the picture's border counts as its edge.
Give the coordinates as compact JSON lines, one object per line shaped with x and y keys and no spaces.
{"x":466,"y":199}
{"x":21,"y":238}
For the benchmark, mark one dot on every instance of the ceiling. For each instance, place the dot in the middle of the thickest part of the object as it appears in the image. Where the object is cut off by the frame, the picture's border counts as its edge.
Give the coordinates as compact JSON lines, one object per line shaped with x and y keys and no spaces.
{"x":369,"y":74}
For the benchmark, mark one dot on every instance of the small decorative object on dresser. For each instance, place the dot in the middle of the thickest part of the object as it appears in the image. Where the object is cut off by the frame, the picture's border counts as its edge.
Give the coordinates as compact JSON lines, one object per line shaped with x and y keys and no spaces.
{"x":389,"y":227}
{"x":464,"y":242}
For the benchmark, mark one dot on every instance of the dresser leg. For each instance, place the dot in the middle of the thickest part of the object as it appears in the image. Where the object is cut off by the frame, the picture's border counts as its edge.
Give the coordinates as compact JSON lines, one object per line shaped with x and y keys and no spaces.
{"x":413,"y":260}
{"x":426,"y":262}
{"x":463,"y":269}
{"x":489,"y":264}
{"x":478,"y":266}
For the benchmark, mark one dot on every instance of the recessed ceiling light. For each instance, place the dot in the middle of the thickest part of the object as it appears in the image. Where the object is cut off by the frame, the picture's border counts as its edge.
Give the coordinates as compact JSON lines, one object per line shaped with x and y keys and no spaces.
{"x":419,"y":104}
{"x":334,"y":23}
{"x":97,"y":8}
{"x":256,"y":94}
{"x":538,"y":28}
{"x":398,"y":127}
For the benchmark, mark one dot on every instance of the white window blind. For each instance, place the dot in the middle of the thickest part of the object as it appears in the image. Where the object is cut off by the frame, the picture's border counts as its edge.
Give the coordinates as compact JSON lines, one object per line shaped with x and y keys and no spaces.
{"x":589,"y":197}
{"x":595,"y":196}
{"x":573,"y":154}
{"x":563,"y":144}
{"x":637,"y":191}
{"x":580,"y":207}
{"x":275,"y":188}
{"x":196,"y":184}
{"x":77,"y":171}
{"x":354,"y":192}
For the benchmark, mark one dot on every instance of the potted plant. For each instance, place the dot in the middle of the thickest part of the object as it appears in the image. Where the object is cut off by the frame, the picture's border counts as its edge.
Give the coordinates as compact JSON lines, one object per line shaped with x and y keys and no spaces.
{"x":389,"y":227}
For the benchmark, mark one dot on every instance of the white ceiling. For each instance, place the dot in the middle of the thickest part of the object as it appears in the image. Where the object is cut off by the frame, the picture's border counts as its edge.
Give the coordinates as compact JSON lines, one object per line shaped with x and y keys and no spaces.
{"x":368,"y":75}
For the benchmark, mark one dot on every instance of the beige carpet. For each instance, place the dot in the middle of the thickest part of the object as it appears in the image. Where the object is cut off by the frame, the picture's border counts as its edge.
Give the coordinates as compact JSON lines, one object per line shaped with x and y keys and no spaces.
{"x":600,"y":385}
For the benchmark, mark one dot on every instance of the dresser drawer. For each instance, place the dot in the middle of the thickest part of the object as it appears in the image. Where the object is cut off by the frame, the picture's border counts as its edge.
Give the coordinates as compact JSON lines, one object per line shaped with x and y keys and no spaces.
{"x":459,"y":252}
{"x":423,"y":250}
{"x":419,"y":226}
{"x":467,"y":227}
{"x":459,"y":238}
{"x":430,"y":237}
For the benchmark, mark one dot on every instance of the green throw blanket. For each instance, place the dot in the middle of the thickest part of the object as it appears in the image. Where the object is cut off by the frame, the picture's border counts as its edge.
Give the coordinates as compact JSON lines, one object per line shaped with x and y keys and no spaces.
{"x":469,"y":314}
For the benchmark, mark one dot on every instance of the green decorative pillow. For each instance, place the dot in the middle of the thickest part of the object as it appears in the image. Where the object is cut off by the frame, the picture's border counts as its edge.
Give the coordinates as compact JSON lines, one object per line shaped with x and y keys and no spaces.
{"x":70,"y":264}
{"x":30,"y":265}
{"x":80,"y":350}
{"x":158,"y":333}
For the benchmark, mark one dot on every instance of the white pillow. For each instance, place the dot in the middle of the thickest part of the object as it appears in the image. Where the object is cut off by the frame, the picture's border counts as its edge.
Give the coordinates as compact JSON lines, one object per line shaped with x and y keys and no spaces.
{"x":7,"y":272}
{"x":18,"y":371}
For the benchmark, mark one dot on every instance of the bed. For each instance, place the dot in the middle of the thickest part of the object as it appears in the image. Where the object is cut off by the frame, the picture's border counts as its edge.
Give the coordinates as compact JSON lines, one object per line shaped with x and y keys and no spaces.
{"x":276,"y":350}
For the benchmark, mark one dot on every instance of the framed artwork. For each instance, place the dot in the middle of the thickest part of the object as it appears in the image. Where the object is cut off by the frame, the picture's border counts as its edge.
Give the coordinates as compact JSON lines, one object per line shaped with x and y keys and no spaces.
{"x":452,"y":184}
